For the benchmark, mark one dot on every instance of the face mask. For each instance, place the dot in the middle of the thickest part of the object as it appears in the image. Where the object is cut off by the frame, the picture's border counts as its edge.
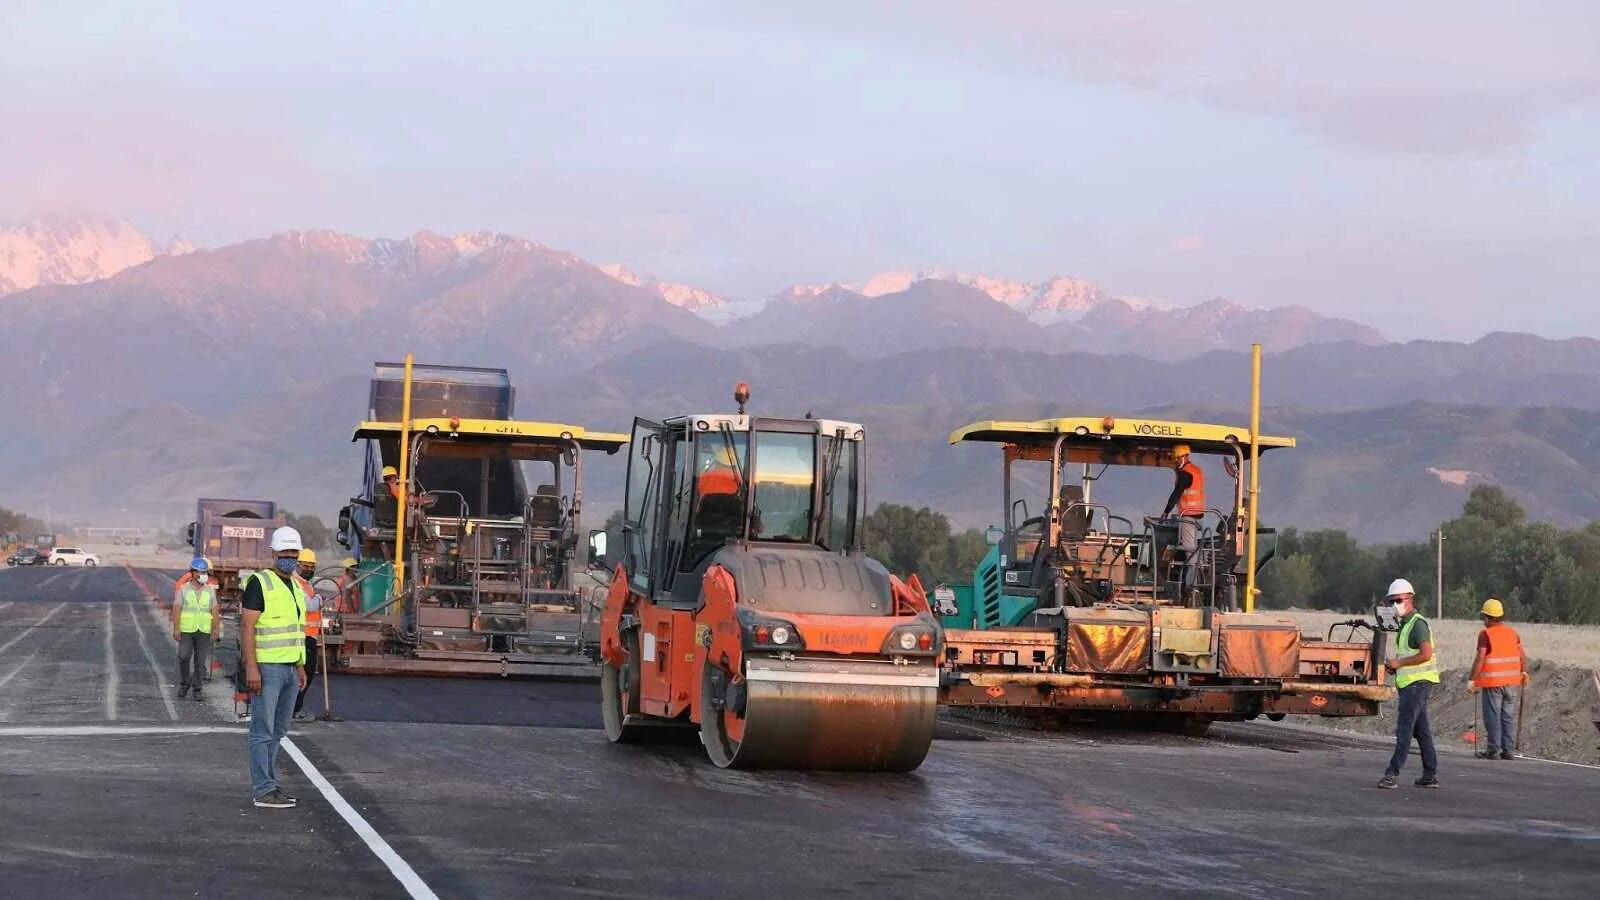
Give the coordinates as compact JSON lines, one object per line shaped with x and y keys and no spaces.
{"x":286,"y":565}
{"x":203,"y":578}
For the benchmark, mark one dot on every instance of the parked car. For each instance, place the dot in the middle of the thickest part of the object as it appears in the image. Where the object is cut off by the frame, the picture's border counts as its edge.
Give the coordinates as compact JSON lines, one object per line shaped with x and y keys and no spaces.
{"x":27,"y":556}
{"x":72,"y":556}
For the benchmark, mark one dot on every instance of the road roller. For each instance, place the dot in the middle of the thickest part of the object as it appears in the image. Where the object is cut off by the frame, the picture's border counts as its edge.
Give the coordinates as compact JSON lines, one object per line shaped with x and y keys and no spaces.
{"x":742,"y":605}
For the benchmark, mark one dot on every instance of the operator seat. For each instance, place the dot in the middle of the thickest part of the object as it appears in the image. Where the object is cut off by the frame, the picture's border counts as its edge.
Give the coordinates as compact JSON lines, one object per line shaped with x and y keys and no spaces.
{"x":544,"y":507}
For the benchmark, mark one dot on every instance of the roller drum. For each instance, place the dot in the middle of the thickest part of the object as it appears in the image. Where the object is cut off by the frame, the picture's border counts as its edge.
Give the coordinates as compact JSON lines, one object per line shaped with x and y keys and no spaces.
{"x":841,"y":716}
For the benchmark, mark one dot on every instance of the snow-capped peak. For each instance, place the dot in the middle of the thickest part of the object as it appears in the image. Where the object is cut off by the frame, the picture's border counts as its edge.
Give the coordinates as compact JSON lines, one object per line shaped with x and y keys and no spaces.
{"x":684,"y":295}
{"x":1059,"y":298}
{"x":48,"y":250}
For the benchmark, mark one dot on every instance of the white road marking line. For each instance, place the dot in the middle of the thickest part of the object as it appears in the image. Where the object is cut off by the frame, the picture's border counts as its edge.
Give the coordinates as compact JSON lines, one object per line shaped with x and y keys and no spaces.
{"x":61,"y":574}
{"x":161,"y":685}
{"x":1554,"y":762}
{"x":47,"y":617}
{"x":17,"y":671}
{"x":114,"y":730}
{"x":380,"y":848}
{"x":113,"y":680}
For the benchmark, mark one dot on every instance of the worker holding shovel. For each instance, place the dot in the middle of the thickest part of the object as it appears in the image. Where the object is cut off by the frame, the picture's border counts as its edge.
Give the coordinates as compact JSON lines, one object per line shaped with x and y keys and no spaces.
{"x":1500,"y":665}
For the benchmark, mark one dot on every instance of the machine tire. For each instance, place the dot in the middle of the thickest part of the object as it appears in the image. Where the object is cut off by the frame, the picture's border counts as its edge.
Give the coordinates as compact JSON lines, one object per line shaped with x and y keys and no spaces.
{"x":1276,"y":717}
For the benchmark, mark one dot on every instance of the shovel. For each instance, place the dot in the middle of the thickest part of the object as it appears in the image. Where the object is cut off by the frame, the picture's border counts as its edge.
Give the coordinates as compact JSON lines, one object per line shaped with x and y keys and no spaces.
{"x":1522,"y":704}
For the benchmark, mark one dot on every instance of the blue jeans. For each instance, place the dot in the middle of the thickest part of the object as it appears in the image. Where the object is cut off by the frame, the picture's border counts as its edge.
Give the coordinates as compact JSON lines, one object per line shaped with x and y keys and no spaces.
{"x":270,"y":712}
{"x":1499,"y":719}
{"x":1411,"y":720}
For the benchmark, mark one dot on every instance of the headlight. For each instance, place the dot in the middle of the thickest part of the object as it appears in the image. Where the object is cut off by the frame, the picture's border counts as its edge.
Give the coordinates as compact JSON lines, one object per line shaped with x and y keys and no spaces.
{"x":908,"y":640}
{"x":780,"y":634}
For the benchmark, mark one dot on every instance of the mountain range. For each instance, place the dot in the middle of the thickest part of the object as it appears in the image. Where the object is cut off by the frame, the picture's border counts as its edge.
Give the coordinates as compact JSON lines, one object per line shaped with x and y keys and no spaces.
{"x":240,"y":370}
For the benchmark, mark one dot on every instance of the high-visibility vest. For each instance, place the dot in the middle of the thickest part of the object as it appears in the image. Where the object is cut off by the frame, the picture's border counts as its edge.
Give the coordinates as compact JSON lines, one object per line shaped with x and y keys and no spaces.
{"x":1428,"y":671}
{"x":313,"y":607}
{"x":1193,"y":500}
{"x":718,"y":480}
{"x":1503,"y":665}
{"x":281,"y":629}
{"x":195,"y":605}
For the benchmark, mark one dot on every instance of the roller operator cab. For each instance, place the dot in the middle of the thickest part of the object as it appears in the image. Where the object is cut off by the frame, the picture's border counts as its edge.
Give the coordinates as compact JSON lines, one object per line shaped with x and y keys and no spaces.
{"x":741,"y":602}
{"x":1101,"y":608}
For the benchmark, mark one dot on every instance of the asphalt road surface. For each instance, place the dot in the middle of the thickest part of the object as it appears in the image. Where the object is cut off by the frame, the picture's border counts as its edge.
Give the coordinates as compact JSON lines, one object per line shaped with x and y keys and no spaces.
{"x":111,"y":786}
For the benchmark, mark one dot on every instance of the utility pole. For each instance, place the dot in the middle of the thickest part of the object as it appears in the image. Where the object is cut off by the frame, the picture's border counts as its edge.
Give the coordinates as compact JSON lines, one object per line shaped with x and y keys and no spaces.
{"x":1438,"y":580}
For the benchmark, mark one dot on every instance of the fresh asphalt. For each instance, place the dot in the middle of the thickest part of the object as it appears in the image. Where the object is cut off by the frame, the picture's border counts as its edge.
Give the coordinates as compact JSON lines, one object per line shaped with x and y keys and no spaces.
{"x":111,"y":786}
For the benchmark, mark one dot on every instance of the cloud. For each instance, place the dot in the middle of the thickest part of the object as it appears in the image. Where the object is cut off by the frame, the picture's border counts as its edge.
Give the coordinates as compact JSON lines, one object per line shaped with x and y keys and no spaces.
{"x":1427,"y":78}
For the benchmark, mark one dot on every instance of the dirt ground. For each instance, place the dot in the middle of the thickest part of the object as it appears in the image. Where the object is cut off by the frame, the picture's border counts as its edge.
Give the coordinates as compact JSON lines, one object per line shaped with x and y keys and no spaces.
{"x":1563,"y":699}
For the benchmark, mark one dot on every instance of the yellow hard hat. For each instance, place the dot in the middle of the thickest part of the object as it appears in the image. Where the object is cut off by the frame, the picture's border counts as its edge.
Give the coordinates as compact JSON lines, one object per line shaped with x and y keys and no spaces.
{"x":308,"y":555}
{"x":1180,"y":449}
{"x":390,"y":470}
{"x":1493,"y":607}
{"x":349,"y":562}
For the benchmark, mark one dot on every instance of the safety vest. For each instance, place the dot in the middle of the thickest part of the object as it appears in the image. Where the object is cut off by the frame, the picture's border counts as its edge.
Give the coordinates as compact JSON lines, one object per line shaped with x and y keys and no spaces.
{"x":313,"y":607}
{"x":1193,"y":500}
{"x":280,"y":631}
{"x":718,"y":480}
{"x":1503,"y":665}
{"x":195,"y":605}
{"x":1428,"y":671}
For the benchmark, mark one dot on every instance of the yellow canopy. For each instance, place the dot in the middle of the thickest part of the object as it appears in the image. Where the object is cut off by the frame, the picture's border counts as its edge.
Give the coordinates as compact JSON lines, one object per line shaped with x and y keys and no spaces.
{"x":1118,"y":435}
{"x":498,"y":430}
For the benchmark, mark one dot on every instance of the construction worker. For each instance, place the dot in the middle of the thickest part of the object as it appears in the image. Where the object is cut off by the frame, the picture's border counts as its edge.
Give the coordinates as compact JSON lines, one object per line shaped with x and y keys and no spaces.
{"x":720,"y":475}
{"x":348,"y":602}
{"x":1416,"y":671}
{"x":195,"y":626}
{"x":308,"y":571}
{"x":272,"y":631}
{"x":1189,"y":497}
{"x":391,"y":480}
{"x":1500,"y":665}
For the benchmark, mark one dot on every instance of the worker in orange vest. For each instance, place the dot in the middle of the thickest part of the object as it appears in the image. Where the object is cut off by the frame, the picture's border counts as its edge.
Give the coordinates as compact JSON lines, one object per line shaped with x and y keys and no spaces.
{"x":348,"y":601}
{"x":721,"y":475}
{"x":1501,"y":664}
{"x":307,"y":571}
{"x":1189,"y":497}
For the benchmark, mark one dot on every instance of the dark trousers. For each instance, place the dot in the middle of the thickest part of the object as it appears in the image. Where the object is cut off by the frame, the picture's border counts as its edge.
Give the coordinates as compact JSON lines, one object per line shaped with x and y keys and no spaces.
{"x":194,"y":654}
{"x":1411,"y":721}
{"x":311,"y":673}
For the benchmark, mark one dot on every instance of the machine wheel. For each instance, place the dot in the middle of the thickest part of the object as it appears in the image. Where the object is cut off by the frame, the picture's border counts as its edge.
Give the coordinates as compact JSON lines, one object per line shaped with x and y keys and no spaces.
{"x":1276,"y":717}
{"x":624,"y":723}
{"x":61,"y":562}
{"x":90,"y":563}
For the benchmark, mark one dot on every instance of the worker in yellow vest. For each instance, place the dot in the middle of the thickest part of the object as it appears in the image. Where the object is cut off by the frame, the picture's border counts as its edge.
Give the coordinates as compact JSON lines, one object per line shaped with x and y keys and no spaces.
{"x":308,"y":571}
{"x":196,"y":624}
{"x":1500,"y":666}
{"x":1416,"y":671}
{"x":272,"y":632}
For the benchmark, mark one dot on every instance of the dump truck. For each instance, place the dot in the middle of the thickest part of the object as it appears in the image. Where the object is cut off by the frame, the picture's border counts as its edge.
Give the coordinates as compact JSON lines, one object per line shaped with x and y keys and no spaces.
{"x":462,"y":567}
{"x":1090,"y":610}
{"x":236,"y":536}
{"x":742,"y":604}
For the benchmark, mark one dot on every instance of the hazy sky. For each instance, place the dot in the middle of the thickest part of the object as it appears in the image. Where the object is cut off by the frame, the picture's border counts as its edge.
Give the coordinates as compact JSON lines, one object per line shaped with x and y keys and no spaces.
{"x":1430,"y":168}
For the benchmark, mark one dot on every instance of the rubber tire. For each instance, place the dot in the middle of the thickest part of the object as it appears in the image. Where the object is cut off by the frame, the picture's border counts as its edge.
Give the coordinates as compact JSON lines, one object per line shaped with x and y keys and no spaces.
{"x":89,"y":563}
{"x":61,"y":562}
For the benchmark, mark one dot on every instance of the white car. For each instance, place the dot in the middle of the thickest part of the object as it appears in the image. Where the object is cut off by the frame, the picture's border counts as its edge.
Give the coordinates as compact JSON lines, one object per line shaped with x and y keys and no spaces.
{"x":72,"y":556}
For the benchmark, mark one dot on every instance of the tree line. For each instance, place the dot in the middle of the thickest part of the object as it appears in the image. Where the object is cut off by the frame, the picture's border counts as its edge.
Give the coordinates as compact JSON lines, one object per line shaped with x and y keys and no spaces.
{"x":1540,"y":572}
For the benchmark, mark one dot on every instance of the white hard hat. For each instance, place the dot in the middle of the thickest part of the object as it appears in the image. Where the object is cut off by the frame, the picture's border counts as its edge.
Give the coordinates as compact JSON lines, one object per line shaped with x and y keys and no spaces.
{"x":1400,"y":586}
{"x":285,"y":538}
